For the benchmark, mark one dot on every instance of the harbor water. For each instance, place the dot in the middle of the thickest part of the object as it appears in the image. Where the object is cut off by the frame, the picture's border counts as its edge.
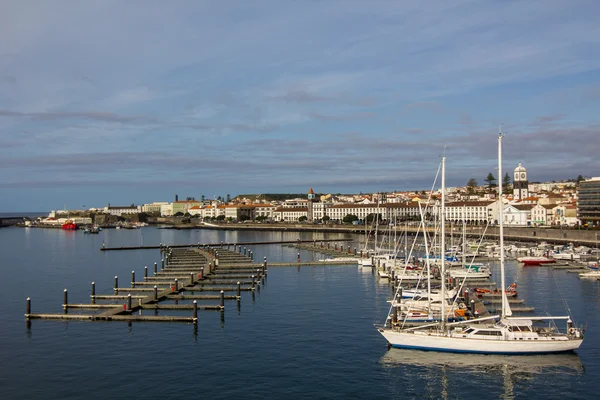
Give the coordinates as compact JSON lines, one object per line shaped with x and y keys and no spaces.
{"x":307,"y":334}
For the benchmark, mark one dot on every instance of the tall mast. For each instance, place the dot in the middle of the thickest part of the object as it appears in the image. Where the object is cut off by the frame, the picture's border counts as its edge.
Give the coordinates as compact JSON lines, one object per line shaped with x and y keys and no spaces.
{"x":464,"y":237}
{"x":501,"y":221}
{"x":443,"y":241}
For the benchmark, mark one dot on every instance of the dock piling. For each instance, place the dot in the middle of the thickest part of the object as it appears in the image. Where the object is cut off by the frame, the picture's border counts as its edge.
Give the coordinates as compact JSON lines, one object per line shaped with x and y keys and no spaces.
{"x":155,"y":293}
{"x":28,"y":307}
{"x":65,"y":299}
{"x":146,"y":273}
{"x":222,"y":299}
{"x":116,"y":283}
{"x":132,"y":279}
{"x":191,"y":278}
{"x":253,"y":282}
{"x":162,"y":263}
{"x":201,"y":273}
{"x":239,"y":290}
{"x":176,"y":285}
{"x":195,"y":314}
{"x":129,"y":302}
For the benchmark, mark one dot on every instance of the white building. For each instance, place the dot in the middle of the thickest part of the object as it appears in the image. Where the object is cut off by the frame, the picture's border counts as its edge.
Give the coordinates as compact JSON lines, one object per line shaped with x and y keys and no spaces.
{"x":290,"y":214}
{"x":122,"y":210}
{"x":153,"y":207}
{"x":195,"y":210}
{"x":517,"y":214}
{"x":473,"y":212}
{"x":166,"y":210}
{"x":543,"y":214}
{"x":263,"y":210}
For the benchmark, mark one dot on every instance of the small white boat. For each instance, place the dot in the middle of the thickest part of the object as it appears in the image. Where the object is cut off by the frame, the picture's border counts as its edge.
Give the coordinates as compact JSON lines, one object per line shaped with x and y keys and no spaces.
{"x":591,"y":274}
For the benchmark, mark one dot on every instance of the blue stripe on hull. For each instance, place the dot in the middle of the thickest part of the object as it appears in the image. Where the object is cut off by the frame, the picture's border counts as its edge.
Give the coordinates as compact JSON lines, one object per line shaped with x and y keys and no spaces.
{"x":476,"y":352}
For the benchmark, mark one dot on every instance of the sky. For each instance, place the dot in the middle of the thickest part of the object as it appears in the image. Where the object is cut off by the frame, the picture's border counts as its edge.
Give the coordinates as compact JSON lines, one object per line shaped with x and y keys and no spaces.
{"x":136,"y":101}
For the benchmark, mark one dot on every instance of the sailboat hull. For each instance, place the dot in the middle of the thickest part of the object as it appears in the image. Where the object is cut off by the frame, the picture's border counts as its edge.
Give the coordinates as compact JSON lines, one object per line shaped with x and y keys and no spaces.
{"x":422,"y":341}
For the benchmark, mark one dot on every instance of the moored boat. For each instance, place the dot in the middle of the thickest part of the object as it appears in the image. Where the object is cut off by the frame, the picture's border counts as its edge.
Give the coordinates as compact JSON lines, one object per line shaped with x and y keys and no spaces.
{"x":497,"y":334}
{"x":69,"y":225}
{"x":534,"y":261}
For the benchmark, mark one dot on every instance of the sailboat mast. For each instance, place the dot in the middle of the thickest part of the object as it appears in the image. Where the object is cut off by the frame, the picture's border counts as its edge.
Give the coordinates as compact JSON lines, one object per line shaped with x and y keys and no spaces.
{"x":464,"y":238}
{"x":443,"y":241}
{"x":501,"y":221}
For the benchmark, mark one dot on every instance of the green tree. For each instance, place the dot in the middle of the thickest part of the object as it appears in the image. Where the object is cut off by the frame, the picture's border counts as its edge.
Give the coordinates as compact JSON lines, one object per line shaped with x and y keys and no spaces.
{"x":220,"y":218}
{"x":580,"y":178}
{"x":244,"y":218}
{"x":302,"y":218}
{"x":506,"y":184}
{"x":261,"y":218}
{"x":371,"y":217}
{"x":490,"y":180}
{"x":350,"y":218}
{"x":471,"y":185}
{"x":326,"y":218}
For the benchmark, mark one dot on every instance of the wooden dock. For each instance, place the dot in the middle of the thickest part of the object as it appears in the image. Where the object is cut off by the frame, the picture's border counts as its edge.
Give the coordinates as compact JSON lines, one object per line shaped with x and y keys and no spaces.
{"x":183,"y":272}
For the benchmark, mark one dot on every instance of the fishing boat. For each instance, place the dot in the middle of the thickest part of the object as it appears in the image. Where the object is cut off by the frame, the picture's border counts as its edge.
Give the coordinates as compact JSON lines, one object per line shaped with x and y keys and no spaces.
{"x":69,"y":225}
{"x":92,"y":230}
{"x":497,"y":334}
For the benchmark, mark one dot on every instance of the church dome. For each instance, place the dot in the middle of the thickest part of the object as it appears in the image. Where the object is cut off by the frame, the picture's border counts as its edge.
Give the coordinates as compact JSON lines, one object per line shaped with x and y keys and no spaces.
{"x":520,"y":168}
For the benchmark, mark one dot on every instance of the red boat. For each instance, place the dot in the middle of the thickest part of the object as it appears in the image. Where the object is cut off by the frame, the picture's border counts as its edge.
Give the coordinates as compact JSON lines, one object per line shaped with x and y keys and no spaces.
{"x":69,"y":225}
{"x":531,"y":261}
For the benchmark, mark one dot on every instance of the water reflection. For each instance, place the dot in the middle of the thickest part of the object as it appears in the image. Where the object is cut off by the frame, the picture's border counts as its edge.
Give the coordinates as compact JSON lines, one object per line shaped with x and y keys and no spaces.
{"x":448,"y":375}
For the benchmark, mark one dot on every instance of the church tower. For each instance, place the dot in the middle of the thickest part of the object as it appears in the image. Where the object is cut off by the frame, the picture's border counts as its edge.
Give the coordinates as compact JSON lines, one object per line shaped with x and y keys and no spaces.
{"x":311,"y":199}
{"x":520,"y":183}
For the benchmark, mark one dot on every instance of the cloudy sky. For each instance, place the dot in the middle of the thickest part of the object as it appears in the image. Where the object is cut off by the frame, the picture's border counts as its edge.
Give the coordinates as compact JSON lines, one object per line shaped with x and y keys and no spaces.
{"x":132,"y":102}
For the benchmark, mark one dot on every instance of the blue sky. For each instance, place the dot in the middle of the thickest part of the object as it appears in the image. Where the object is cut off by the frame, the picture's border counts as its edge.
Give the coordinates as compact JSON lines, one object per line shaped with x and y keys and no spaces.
{"x":132,"y":102}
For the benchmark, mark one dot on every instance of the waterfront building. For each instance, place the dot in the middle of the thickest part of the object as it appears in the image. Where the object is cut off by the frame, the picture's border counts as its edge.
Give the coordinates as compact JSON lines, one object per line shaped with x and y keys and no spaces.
{"x":520,"y":183}
{"x":213,"y":210}
{"x":166,"y":210}
{"x":473,"y":212}
{"x":182,"y":206}
{"x":122,"y":210}
{"x":405,"y":211}
{"x":239,"y":211}
{"x":543,"y":214}
{"x":337,"y":212}
{"x":263,"y":210}
{"x":195,"y":210}
{"x":588,"y":201}
{"x":289,"y":214}
{"x":153,"y":207}
{"x":517,"y":214}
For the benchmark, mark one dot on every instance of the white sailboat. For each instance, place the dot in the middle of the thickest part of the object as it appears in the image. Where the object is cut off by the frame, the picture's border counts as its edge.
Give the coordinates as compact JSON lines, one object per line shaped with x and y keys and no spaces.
{"x":500,"y":334}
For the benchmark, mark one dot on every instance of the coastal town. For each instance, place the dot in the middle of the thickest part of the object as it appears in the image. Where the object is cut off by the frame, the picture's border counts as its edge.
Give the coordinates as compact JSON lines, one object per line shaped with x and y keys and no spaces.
{"x":573,"y":203}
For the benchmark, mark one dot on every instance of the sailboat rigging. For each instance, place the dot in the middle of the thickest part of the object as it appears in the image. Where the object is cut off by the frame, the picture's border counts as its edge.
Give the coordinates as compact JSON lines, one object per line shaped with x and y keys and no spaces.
{"x":498,"y":334}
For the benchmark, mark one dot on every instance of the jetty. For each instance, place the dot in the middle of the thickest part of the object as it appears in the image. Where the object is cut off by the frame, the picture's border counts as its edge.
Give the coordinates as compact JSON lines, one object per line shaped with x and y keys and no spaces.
{"x":183,"y":273}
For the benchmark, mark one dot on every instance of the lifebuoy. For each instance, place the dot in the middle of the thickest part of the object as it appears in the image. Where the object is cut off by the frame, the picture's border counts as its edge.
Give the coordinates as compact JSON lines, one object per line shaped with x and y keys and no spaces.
{"x":571,"y":330}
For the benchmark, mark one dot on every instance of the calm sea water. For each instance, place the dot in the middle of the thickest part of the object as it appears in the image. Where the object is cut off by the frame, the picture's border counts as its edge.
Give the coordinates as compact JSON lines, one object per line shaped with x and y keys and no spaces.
{"x":307,"y":334}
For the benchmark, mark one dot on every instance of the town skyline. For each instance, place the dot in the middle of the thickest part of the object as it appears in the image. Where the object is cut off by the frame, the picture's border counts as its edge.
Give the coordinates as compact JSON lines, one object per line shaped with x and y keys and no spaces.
{"x":127,"y":101}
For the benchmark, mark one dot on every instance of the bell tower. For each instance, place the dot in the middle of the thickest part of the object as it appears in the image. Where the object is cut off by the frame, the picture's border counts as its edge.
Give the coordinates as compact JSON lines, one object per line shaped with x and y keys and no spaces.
{"x":311,"y":199}
{"x":520,"y":183}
